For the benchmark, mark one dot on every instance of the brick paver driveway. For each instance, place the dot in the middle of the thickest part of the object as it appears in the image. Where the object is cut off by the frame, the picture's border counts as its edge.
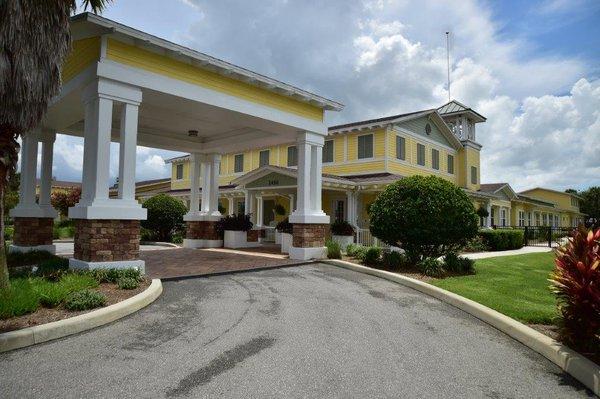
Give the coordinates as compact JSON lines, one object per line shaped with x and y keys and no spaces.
{"x":181,"y":262}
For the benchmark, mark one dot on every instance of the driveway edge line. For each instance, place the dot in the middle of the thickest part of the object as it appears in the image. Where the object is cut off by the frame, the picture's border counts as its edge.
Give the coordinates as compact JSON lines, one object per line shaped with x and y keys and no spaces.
{"x":73,"y":325}
{"x":578,"y":366}
{"x":223,"y":273}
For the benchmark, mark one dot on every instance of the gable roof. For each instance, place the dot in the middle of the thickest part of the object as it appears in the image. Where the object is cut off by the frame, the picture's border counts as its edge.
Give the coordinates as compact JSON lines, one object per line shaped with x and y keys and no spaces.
{"x":551,"y":190}
{"x":494,"y":188}
{"x":101,"y":25}
{"x":455,"y":107}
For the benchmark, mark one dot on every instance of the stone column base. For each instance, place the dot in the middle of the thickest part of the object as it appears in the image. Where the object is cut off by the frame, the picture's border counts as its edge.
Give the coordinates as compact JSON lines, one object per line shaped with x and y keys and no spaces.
{"x":33,"y":234}
{"x":107,"y":244}
{"x":309,"y":241}
{"x":202,"y":234}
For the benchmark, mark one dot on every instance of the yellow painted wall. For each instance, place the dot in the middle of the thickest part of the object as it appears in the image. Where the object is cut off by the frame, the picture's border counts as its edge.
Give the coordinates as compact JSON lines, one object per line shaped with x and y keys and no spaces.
{"x":163,"y":65}
{"x":84,"y":52}
{"x":355,"y":168}
{"x":562,"y":200}
{"x":467,"y":158}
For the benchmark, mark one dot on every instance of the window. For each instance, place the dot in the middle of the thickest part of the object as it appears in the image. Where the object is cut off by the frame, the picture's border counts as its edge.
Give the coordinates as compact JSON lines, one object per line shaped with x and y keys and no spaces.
{"x":401,"y":148}
{"x":263,"y":158}
{"x":328,"y":151}
{"x":365,"y":146}
{"x":421,"y":154}
{"x":492,"y":217}
{"x":241,"y":208}
{"x":339,"y":210}
{"x":435,"y":159}
{"x":238,"y":164}
{"x":574,"y":202}
{"x":292,"y":156}
{"x":521,"y":218}
{"x":451,"y":164}
{"x":502,"y":217}
{"x":544,"y":219}
{"x":537,"y":219}
{"x":473,"y":175}
{"x":179,"y":171}
{"x":529,"y":219}
{"x":556,"y":221}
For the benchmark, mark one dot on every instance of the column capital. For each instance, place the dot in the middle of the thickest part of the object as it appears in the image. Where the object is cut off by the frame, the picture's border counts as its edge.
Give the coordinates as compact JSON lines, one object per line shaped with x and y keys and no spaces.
{"x":311,"y":138}
{"x":111,"y":90}
{"x":47,"y":135}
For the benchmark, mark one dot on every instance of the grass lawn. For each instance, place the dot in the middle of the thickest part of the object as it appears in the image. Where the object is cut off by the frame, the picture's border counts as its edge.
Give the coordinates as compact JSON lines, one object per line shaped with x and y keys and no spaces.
{"x":516,"y":286}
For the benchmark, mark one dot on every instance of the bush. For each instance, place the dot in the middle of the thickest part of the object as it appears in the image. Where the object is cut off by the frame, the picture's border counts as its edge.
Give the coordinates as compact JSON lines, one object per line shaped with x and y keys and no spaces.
{"x":576,"y":284}
{"x":475,"y":244}
{"x":235,"y":223}
{"x":9,"y":232}
{"x":394,"y":260}
{"x":31,"y":258}
{"x":128,"y":283}
{"x":354,"y":250}
{"x":84,"y":300}
{"x":458,"y":264}
{"x":177,"y":239}
{"x":65,"y":223}
{"x":431,"y":267}
{"x":426,"y":216}
{"x":279,"y":210}
{"x":52,"y":269}
{"x":334,"y":251}
{"x":113,"y":275}
{"x":52,"y":294}
{"x":502,"y":239}
{"x":342,"y":228}
{"x":63,"y":232}
{"x":19,"y":299}
{"x":371,"y":256}
{"x":285,"y":226}
{"x":165,"y":215}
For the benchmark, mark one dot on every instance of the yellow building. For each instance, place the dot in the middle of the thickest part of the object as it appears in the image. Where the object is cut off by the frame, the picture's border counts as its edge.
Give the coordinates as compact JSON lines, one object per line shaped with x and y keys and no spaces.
{"x":360,"y":159}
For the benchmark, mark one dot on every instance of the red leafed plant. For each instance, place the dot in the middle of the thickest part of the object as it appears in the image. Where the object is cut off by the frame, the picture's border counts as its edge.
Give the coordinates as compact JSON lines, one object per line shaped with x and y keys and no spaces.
{"x":576,"y":283}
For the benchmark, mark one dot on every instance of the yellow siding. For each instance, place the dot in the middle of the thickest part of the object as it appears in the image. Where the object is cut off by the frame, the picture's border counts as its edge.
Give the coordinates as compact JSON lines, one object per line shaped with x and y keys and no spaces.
{"x":472,"y":159}
{"x":563,"y":200}
{"x":355,"y":168}
{"x":84,"y":52}
{"x":338,"y":149}
{"x":160,"y":64}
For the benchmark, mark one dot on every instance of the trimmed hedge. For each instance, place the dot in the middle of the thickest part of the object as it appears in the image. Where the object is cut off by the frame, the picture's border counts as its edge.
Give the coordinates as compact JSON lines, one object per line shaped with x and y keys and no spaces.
{"x":502,"y":239}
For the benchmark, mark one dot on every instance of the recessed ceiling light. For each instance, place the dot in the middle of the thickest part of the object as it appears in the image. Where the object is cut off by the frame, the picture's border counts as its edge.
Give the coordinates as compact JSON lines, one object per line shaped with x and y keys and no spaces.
{"x":193,"y":133}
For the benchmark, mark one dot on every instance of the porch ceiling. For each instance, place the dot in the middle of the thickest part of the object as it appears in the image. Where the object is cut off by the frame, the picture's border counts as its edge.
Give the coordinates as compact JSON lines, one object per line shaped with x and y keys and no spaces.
{"x":164,"y":122}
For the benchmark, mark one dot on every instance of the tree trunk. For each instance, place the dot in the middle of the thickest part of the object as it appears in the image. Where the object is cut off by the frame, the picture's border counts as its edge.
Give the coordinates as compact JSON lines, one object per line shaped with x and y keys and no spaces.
{"x":4,"y":283}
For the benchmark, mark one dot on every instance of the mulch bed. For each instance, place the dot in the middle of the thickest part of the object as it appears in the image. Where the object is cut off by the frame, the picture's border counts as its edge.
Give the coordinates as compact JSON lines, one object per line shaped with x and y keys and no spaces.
{"x":45,"y":315}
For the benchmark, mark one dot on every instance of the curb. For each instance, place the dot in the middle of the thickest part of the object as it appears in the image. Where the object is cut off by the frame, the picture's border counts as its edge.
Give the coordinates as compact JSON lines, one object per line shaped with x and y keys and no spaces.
{"x":581,"y":368}
{"x":73,"y":325}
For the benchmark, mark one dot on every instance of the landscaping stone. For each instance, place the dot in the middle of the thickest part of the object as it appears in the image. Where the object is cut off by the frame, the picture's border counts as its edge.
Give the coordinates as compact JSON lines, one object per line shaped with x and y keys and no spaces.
{"x":31,"y":232}
{"x":106,"y":240}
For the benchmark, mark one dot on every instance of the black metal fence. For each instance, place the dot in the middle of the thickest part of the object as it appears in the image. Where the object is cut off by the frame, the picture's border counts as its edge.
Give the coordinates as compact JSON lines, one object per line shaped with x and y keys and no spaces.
{"x":543,"y":236}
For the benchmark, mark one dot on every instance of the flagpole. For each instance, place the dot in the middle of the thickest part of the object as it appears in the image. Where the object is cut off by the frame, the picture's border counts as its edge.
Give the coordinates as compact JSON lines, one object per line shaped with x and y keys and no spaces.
{"x":448,"y":62}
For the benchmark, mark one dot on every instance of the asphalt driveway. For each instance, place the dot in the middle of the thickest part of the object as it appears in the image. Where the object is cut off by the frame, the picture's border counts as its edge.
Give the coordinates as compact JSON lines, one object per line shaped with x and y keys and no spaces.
{"x":311,"y":331}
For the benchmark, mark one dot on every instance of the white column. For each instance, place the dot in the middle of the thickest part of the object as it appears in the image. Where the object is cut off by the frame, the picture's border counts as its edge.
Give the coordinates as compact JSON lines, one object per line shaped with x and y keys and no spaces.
{"x":259,"y":211}
{"x":206,"y":180}
{"x":246,"y":202}
{"x":316,"y":178}
{"x":351,"y":204}
{"x":488,"y":221}
{"x":27,"y":206}
{"x":213,"y":207}
{"x":127,"y":151}
{"x":96,"y":149}
{"x":47,"y":139}
{"x":193,"y":211}
{"x":292,"y":208}
{"x":303,"y":205}
{"x":230,"y":205}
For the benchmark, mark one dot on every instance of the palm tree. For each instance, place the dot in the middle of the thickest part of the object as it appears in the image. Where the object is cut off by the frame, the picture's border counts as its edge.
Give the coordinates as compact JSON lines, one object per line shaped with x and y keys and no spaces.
{"x":34,"y":40}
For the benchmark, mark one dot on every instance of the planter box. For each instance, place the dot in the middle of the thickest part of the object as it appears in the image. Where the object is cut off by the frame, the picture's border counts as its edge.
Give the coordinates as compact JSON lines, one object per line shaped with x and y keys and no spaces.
{"x":343,"y":241}
{"x":286,"y":243}
{"x":235,"y":239}
{"x":277,"y":237}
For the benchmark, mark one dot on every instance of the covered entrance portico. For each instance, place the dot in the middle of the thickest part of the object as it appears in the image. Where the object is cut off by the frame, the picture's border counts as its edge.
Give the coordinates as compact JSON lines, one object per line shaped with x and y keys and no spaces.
{"x":125,"y":86}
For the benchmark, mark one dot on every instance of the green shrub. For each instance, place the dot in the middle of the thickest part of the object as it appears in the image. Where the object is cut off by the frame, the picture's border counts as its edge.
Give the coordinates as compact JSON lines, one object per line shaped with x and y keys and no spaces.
{"x":458,"y":264}
{"x":52,"y":294}
{"x":65,"y":223}
{"x":19,"y":299}
{"x":128,"y":283}
{"x":394,"y":260}
{"x":177,"y":239}
{"x":502,"y":239}
{"x":165,"y":216}
{"x":371,"y":256}
{"x":9,"y":232}
{"x":239,"y":222}
{"x":86,"y":299}
{"x":285,"y":226}
{"x":14,"y":259}
{"x":113,"y":275}
{"x":354,"y":249}
{"x":146,"y":234}
{"x":342,"y":228}
{"x":475,"y":244}
{"x":52,"y":269}
{"x":431,"y":267}
{"x":426,"y":216}
{"x":334,"y":251}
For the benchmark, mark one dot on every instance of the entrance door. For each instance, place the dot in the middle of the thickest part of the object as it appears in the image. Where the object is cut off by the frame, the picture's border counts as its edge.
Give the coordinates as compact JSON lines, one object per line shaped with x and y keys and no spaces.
{"x":268,"y":215}
{"x":339,"y":210}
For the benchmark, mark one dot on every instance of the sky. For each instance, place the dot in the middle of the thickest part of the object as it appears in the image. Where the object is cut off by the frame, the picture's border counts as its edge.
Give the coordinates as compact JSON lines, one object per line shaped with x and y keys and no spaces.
{"x":531,"y":67}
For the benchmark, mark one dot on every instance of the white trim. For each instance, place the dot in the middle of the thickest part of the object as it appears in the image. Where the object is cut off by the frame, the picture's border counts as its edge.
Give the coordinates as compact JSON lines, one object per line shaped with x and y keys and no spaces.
{"x":135,"y":76}
{"x":118,"y":264}
{"x":22,"y":249}
{"x":372,"y":147}
{"x":307,"y":253}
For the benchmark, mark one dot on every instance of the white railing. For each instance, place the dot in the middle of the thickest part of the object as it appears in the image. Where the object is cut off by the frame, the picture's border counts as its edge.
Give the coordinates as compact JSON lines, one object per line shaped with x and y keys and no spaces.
{"x":365,"y":238}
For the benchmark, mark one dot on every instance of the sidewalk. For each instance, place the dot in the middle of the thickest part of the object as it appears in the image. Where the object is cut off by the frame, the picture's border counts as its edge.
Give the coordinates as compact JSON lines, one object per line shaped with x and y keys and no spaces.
{"x":493,"y":254}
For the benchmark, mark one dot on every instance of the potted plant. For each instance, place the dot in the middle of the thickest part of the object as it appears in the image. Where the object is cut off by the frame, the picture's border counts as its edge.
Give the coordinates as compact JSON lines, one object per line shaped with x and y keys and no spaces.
{"x":342,"y":232}
{"x":278,"y":210}
{"x":235,"y":230}
{"x":482,"y":213}
{"x":285,"y":228}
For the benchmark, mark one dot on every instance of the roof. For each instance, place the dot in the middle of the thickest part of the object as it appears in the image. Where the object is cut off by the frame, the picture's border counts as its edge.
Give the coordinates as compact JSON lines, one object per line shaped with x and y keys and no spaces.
{"x":535,"y":200}
{"x":62,"y":183}
{"x":385,"y":120}
{"x":491,"y":187}
{"x":455,"y":107}
{"x":209,"y":62}
{"x":375,"y":178}
{"x":145,"y":182}
{"x":551,"y":190}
